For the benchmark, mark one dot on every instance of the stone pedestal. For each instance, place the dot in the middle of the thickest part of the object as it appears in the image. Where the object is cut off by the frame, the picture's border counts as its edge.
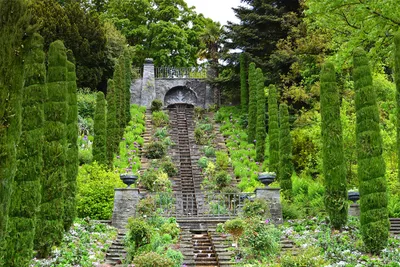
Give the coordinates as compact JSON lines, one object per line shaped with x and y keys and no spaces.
{"x":272,"y":195}
{"x":354,"y":210}
{"x":125,"y":201}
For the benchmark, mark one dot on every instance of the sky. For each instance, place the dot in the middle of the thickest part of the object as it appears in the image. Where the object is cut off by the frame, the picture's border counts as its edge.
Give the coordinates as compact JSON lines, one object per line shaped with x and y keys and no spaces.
{"x":217,"y":10}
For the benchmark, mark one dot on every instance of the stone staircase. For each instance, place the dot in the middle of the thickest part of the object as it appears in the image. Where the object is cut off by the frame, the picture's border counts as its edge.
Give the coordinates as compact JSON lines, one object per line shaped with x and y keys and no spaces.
{"x":116,"y":253}
{"x":395,"y":226}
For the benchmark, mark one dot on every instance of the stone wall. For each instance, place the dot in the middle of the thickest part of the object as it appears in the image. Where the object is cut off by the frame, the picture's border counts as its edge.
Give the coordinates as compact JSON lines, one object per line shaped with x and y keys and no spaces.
{"x":125,"y":201}
{"x":272,"y":196}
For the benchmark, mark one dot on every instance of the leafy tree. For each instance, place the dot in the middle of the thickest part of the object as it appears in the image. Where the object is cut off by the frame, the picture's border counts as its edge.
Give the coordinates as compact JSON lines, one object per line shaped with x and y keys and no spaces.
{"x":252,"y":115}
{"x":72,"y":149}
{"x":112,"y":123}
{"x":244,"y":92}
{"x":13,"y":27}
{"x":334,"y":166}
{"x":371,"y":165}
{"x":26,"y":188}
{"x":397,"y":80}
{"x":261,"y":132}
{"x":273,"y":129}
{"x":50,"y":226}
{"x":285,"y":152}
{"x":100,"y":131}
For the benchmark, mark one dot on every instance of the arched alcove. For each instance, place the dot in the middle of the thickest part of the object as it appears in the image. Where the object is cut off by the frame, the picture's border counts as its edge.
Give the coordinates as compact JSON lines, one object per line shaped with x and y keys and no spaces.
{"x":180,"y":95}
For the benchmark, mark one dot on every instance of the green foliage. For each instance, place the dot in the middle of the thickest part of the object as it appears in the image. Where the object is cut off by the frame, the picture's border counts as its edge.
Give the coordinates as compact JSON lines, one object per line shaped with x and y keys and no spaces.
{"x":27,"y":189}
{"x":285,"y":152}
{"x":244,"y":93}
{"x":252,"y":103}
{"x":120,"y":103}
{"x":209,"y":151}
{"x":152,"y":259}
{"x":100,"y":131}
{"x":155,"y":181}
{"x":332,"y":148}
{"x":86,"y":103}
{"x":203,"y":162}
{"x":200,"y":136}
{"x":95,"y":195}
{"x":261,"y":132}
{"x":112,"y":124}
{"x":72,"y":154}
{"x":308,"y":257}
{"x":273,"y":129}
{"x":154,"y":150}
{"x":13,"y":27}
{"x":397,"y":81}
{"x":371,"y":165}
{"x":85,"y":156}
{"x":257,"y":208}
{"x":199,"y":112}
{"x":50,"y":225}
{"x":160,"y":118}
{"x":235,"y":227}
{"x":156,"y":105}
{"x":222,"y":179}
{"x":169,"y":167}
{"x":146,"y":206}
{"x":222,"y":160}
{"x":128,"y":80}
{"x":139,"y":232}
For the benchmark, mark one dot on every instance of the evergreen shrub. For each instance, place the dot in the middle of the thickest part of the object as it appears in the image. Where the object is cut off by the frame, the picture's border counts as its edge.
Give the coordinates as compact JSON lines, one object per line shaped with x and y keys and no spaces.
{"x":139,"y":232}
{"x":112,"y":123}
{"x":156,"y":105}
{"x":261,"y":132}
{"x":285,"y":153}
{"x":257,"y":208}
{"x":100,"y":131}
{"x":95,"y":195}
{"x":252,"y":117}
{"x":160,"y":118}
{"x":154,"y":150}
{"x":244,"y":93}
{"x":273,"y":129}
{"x":152,"y":259}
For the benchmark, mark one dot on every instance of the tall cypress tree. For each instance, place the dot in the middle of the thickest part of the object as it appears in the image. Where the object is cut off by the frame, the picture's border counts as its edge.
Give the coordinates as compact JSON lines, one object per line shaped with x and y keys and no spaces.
{"x":26,"y":188}
{"x":261,"y":129}
{"x":252,"y":103}
{"x":112,"y":123}
{"x":100,"y":131}
{"x":50,"y":219}
{"x":371,"y":165}
{"x":334,"y":166}
{"x":273,"y":129}
{"x":397,"y":80}
{"x":244,"y":92}
{"x":72,"y":162}
{"x":13,"y":24}
{"x":128,"y":80}
{"x":285,"y":152}
{"x":119,"y":87}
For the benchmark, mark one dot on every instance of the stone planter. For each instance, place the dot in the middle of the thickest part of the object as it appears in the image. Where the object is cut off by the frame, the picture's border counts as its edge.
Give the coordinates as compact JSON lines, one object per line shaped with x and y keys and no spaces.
{"x":128,"y":179}
{"x":353,"y":196}
{"x":266,"y":178}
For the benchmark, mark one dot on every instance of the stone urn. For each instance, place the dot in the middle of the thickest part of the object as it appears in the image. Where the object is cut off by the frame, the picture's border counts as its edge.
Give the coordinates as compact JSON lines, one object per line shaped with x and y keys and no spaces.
{"x":128,"y":179}
{"x":353,"y":196}
{"x":266,"y":178}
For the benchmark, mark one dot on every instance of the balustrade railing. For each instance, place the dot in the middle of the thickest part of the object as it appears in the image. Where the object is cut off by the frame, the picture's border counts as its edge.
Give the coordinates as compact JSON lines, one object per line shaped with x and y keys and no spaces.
{"x":180,"y":73}
{"x":199,"y":204}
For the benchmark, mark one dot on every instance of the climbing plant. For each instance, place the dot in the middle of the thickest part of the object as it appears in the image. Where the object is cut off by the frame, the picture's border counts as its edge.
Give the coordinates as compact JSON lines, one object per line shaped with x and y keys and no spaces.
{"x":371,"y":166}
{"x":252,"y":114}
{"x":285,"y":152}
{"x":26,"y":187}
{"x":72,"y":148}
{"x":100,"y":131}
{"x":273,"y":129}
{"x":261,"y":132}
{"x":50,"y":226}
{"x":334,"y":167}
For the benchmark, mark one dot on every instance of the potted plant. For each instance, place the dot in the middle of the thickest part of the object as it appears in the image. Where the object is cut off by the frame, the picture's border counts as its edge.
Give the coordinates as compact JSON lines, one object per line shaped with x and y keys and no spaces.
{"x":128,"y":178}
{"x":353,"y":195}
{"x":266,"y":177}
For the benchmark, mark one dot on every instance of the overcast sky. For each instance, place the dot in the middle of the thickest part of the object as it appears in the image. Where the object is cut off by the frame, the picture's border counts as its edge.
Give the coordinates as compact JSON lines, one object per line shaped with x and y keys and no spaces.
{"x":217,"y":10}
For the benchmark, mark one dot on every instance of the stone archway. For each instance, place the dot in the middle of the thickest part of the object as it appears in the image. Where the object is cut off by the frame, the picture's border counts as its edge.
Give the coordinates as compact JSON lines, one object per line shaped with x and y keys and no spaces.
{"x":180,"y":95}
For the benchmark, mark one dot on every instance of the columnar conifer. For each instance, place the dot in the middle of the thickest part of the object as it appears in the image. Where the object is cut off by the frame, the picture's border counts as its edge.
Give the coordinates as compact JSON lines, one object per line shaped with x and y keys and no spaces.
{"x":244,"y":92}
{"x":119,"y":87}
{"x":100,"y":131}
{"x":371,"y":166}
{"x":273,"y":129}
{"x":397,"y":80}
{"x":26,"y":196}
{"x":285,"y":152}
{"x":128,"y":80}
{"x":50,"y":226}
{"x":252,"y":116}
{"x":72,"y":148}
{"x":334,"y":166}
{"x":13,"y":24}
{"x":261,"y":129}
{"x":112,"y":123}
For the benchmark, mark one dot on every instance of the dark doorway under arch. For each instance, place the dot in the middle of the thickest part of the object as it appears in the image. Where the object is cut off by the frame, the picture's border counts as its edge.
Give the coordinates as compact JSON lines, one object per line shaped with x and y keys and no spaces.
{"x":180,"y":95}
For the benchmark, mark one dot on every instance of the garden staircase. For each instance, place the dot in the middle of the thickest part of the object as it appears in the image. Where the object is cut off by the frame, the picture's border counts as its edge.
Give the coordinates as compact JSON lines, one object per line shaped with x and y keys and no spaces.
{"x":116,"y":253}
{"x":395,"y":226}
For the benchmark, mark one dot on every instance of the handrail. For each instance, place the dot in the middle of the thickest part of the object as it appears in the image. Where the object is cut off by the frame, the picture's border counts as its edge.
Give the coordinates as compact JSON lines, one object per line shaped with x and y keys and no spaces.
{"x":180,"y":73}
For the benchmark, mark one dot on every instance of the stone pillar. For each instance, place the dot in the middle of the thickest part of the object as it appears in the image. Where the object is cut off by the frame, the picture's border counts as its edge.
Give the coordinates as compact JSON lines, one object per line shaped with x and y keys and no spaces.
{"x":148,"y":93}
{"x":354,"y":210}
{"x":125,"y":201}
{"x":272,"y":195}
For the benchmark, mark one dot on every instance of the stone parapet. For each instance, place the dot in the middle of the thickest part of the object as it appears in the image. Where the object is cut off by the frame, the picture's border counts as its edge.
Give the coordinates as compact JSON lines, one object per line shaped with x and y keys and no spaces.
{"x":125,"y":202}
{"x":272,"y":195}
